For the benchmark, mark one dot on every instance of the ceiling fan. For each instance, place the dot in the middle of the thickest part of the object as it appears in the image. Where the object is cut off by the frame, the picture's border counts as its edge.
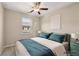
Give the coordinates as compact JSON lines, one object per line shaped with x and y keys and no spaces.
{"x":37,"y":8}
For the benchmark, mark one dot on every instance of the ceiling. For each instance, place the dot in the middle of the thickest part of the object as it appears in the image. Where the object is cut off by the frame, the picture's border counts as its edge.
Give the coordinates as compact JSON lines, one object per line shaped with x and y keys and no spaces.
{"x":25,"y":7}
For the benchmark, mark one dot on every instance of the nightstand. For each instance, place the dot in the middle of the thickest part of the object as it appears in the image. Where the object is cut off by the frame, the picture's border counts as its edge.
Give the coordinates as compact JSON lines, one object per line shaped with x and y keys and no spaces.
{"x":74,"y":47}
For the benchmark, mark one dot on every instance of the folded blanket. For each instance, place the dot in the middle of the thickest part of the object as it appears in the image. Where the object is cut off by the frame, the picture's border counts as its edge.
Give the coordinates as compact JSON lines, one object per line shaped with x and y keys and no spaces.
{"x":36,"y":49}
{"x":57,"y":48}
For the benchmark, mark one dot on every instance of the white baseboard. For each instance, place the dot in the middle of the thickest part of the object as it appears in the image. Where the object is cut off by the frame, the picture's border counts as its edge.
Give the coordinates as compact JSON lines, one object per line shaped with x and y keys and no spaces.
{"x":8,"y":45}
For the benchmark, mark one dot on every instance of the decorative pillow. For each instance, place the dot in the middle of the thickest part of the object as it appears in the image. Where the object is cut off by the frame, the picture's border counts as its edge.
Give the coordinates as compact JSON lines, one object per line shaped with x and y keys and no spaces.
{"x":43,"y":35}
{"x":57,"y":37}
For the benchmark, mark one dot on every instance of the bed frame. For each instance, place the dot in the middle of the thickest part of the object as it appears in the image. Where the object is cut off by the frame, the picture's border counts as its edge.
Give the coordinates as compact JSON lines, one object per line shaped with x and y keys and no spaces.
{"x":67,"y":39}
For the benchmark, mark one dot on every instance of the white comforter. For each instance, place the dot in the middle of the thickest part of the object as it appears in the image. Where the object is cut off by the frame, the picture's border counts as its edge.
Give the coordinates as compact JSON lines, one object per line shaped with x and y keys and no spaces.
{"x":57,"y":48}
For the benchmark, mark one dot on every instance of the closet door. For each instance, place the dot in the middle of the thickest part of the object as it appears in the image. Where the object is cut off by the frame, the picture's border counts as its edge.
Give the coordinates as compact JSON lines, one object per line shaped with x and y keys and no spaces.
{"x":1,"y":27}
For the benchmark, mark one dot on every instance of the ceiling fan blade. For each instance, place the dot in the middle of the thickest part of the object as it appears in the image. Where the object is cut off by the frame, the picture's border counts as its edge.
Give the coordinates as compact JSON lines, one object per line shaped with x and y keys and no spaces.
{"x":36,"y":4}
{"x":31,"y":11}
{"x":39,"y":3}
{"x":39,"y":13}
{"x":43,"y":8}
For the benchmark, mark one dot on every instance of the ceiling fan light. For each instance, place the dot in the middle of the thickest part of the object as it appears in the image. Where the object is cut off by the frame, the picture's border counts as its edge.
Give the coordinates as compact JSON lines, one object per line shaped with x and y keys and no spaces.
{"x":36,"y":9}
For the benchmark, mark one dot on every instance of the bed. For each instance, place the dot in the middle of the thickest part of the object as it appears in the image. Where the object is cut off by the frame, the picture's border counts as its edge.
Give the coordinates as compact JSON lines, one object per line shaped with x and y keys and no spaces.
{"x":58,"y":49}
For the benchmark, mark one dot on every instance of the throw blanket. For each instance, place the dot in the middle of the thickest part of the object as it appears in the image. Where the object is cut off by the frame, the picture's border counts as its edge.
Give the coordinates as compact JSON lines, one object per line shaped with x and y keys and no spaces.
{"x":57,"y":48}
{"x":35,"y":48}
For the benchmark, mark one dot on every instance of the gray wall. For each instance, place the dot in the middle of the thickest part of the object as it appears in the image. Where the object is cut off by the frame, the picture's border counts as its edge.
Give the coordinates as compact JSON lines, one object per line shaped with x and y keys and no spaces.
{"x":1,"y":27}
{"x":69,"y":18}
{"x":13,"y":28}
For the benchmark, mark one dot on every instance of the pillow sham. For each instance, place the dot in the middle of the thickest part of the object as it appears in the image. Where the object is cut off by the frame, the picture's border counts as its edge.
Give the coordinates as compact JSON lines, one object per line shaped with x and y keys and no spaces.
{"x":43,"y":35}
{"x":56,"y":37}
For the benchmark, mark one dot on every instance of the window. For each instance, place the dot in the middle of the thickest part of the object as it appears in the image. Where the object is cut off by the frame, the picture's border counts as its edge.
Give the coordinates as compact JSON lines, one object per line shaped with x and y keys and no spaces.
{"x":26,"y":24}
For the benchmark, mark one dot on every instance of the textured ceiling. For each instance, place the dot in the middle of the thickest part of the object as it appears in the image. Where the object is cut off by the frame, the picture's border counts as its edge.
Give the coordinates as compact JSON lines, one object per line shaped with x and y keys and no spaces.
{"x":25,"y":7}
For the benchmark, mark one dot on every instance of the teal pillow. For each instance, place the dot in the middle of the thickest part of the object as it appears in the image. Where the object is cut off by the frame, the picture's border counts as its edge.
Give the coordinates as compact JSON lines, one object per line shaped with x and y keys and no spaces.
{"x":43,"y":35}
{"x":57,"y":37}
